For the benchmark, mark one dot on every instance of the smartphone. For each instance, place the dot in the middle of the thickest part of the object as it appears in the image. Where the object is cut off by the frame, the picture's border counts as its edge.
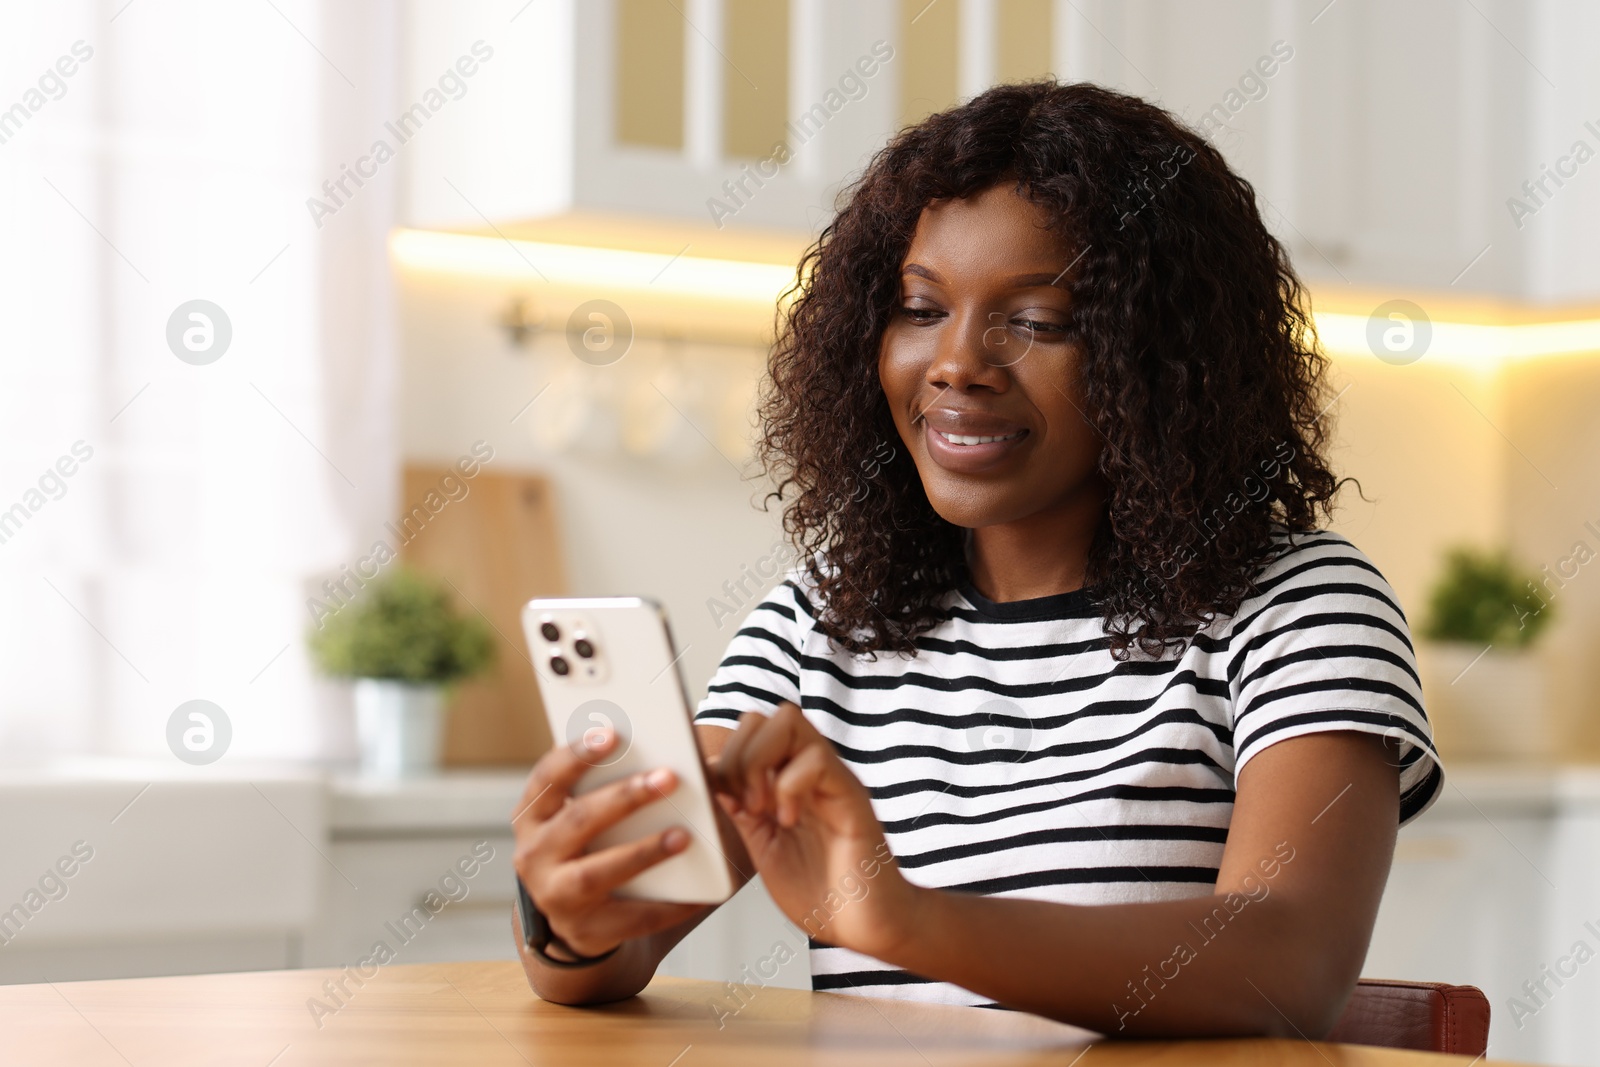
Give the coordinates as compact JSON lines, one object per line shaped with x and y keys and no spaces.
{"x":608,"y":662}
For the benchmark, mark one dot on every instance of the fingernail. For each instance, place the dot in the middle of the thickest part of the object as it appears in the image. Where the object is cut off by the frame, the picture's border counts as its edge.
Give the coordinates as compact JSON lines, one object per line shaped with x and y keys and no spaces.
{"x":659,"y":779}
{"x":674,"y":839}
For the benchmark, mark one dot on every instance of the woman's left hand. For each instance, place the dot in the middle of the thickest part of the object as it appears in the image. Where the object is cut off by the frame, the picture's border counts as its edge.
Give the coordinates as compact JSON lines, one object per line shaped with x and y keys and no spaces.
{"x":811,"y":832}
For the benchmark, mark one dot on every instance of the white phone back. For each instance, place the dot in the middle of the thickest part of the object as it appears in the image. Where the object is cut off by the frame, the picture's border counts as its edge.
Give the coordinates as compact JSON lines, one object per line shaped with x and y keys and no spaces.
{"x":631,"y":684}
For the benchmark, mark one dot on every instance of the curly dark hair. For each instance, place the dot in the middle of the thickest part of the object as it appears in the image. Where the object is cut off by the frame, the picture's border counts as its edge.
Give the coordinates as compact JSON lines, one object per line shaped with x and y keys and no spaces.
{"x":1199,"y":364}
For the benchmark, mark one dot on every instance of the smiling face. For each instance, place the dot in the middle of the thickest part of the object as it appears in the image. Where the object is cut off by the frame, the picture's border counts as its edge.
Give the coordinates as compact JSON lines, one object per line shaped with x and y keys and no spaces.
{"x":979,"y":372}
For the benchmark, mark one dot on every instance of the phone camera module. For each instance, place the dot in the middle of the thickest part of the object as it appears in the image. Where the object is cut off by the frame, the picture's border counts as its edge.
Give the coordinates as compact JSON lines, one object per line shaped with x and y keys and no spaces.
{"x":560,"y":665}
{"x":550,"y":631}
{"x":583,"y":648}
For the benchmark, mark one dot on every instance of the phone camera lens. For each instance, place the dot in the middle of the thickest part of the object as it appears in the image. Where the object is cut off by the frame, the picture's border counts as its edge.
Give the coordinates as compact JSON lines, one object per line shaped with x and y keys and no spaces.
{"x":550,"y":630}
{"x":560,"y":665}
{"x":583,"y":648}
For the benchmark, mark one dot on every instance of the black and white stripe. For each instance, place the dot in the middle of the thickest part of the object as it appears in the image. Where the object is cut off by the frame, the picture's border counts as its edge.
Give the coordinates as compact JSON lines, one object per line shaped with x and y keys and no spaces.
{"x":1014,"y":756}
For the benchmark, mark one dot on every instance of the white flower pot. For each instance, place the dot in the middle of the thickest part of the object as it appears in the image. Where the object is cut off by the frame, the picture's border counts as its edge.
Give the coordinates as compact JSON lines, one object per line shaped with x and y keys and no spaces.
{"x":1486,"y":705}
{"x":400,"y":726}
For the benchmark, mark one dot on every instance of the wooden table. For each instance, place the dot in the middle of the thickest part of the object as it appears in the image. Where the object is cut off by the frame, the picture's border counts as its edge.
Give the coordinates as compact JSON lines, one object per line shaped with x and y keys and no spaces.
{"x":484,"y":1015}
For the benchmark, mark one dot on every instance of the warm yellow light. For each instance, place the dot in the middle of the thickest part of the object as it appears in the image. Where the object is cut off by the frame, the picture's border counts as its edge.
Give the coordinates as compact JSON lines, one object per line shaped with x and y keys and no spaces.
{"x":1474,"y":344}
{"x":604,"y":269}
{"x":1477,"y":345}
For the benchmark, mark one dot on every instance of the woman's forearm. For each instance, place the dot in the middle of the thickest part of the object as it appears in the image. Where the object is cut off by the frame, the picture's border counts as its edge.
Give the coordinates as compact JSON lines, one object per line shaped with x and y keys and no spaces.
{"x":1222,"y":964}
{"x":1275,"y":947}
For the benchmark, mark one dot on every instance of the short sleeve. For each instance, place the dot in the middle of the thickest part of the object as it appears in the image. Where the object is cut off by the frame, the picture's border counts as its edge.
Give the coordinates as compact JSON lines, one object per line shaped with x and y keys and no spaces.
{"x":761,"y":667}
{"x":1323,"y":646}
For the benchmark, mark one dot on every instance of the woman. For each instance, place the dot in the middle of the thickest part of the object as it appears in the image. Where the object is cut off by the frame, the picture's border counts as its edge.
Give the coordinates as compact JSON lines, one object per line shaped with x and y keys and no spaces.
{"x":1070,"y":706}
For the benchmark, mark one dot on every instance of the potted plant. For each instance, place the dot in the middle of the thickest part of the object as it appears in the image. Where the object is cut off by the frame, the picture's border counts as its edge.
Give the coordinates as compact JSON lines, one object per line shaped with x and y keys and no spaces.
{"x":404,"y":644}
{"x":1484,"y":687}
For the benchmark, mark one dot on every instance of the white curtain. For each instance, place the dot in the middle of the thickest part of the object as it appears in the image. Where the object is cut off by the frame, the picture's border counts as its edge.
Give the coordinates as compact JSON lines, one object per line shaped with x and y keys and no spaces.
{"x":154,"y":153}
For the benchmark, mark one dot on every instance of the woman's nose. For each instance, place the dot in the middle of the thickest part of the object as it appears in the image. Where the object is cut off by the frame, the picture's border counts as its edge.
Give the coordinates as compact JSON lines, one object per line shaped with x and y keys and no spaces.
{"x":974,"y":352}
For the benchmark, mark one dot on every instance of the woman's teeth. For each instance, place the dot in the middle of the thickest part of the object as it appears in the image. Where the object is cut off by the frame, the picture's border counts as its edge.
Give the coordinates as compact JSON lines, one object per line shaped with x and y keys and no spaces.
{"x":970,"y":439}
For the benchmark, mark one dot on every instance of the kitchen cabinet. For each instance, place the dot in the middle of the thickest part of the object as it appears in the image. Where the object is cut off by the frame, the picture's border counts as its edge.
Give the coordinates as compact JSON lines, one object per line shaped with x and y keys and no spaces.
{"x":658,"y":111}
{"x":1491,"y":886}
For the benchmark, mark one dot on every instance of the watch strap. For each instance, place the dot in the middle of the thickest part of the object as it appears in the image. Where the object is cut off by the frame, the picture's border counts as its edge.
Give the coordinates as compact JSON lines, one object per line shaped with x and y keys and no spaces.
{"x":538,"y":936}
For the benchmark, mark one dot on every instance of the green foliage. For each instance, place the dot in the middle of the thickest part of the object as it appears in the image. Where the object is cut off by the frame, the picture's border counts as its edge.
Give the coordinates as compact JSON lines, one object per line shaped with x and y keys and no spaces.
{"x":402,"y":627}
{"x":1484,"y":598}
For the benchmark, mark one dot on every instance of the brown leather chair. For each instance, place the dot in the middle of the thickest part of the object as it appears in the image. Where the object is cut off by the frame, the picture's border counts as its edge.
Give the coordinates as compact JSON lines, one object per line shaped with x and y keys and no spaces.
{"x":1426,"y":1016}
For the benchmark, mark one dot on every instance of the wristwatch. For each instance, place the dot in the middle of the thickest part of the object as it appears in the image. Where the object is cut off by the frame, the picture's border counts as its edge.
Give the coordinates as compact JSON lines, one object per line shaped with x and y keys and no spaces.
{"x":537,"y":934}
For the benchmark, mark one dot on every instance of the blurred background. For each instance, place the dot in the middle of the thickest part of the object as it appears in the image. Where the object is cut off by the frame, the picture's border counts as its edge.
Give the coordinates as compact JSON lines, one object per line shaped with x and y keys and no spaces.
{"x":467,"y":302}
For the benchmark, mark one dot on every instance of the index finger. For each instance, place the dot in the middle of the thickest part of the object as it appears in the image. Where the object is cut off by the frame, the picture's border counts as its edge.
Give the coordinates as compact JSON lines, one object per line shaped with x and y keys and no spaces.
{"x":764,"y":753}
{"x":723,"y":773}
{"x":552,"y":779}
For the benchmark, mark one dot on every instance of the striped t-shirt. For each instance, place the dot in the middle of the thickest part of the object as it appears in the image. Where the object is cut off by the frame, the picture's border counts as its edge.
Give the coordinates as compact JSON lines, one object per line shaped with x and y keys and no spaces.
{"x":1013,"y":756}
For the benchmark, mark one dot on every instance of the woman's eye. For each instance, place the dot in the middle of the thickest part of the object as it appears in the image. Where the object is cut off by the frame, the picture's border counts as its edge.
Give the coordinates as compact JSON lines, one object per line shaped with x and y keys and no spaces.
{"x":919,"y":314}
{"x":1038,"y":326}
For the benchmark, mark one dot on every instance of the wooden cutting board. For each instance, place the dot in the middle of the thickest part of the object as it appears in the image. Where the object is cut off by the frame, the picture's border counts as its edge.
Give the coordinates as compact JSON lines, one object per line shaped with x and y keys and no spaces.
{"x":496,"y":547}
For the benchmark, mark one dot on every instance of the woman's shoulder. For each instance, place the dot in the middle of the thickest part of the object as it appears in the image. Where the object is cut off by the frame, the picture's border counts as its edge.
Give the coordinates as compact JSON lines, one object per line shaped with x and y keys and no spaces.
{"x":1309,"y":557}
{"x":798,"y":602}
{"x":1317,"y":571}
{"x":791,"y":601}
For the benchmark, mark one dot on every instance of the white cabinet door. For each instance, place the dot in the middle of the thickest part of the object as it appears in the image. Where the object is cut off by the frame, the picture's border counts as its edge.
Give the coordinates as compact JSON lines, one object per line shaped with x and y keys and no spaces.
{"x":1466,"y":904}
{"x":415,"y":897}
{"x":1569,"y":1018}
{"x":134,"y":875}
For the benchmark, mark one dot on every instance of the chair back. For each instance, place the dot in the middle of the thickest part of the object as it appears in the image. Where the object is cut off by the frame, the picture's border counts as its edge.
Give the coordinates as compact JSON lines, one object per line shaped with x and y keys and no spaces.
{"x":1426,"y":1016}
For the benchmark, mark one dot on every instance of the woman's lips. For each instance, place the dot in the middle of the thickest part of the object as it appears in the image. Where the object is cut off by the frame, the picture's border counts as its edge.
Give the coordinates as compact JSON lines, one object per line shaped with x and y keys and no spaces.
{"x":978,"y":439}
{"x":969,"y":453}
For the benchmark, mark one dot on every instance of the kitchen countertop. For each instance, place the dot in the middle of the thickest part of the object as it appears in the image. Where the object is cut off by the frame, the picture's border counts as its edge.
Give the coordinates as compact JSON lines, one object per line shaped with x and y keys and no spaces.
{"x":476,"y":801}
{"x":465,"y":801}
{"x":1516,"y":789}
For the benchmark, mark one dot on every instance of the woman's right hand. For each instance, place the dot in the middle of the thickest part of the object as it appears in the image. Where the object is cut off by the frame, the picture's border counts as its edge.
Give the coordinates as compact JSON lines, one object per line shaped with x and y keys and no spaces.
{"x":573,"y":887}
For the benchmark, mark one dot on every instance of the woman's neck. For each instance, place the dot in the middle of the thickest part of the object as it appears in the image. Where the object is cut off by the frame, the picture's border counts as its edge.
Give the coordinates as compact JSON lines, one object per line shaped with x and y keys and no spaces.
{"x":1041,"y":555}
